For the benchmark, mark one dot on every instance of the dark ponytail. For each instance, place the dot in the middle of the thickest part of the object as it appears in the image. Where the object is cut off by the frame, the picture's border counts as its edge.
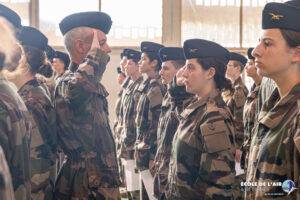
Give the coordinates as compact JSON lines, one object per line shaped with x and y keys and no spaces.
{"x":220,"y":68}
{"x":37,"y":61}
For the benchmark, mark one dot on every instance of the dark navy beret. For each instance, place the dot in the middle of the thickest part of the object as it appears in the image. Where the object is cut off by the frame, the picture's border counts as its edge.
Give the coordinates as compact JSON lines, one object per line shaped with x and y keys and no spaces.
{"x":133,"y":54}
{"x":63,"y":56}
{"x":151,"y":47}
{"x":249,"y":53}
{"x":93,"y":19}
{"x":30,"y":36}
{"x":171,"y":53}
{"x":50,"y":52}
{"x":10,"y":15}
{"x":123,"y":53}
{"x":199,"y":48}
{"x":238,"y":57}
{"x":281,"y":15}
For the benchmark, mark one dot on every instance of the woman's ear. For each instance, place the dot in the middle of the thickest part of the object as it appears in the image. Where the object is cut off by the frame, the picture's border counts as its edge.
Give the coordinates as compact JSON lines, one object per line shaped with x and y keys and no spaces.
{"x":211,"y":73}
{"x":296,"y":57}
{"x":154,"y":63}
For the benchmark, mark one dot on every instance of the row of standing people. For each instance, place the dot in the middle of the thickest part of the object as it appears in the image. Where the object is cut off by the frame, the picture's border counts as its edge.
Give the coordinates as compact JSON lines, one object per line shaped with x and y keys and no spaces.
{"x":207,"y":126}
{"x":69,"y":114}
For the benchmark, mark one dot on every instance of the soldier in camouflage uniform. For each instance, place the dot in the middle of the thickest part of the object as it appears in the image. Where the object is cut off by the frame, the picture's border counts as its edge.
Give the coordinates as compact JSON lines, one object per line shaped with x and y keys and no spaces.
{"x":15,"y":121}
{"x":43,"y":138}
{"x":6,"y":188}
{"x":236,"y":97}
{"x":124,"y":81}
{"x":173,"y":102}
{"x":275,"y":146}
{"x":250,"y":107}
{"x":90,"y":170}
{"x":130,"y":99}
{"x":202,"y":162}
{"x":148,"y":107}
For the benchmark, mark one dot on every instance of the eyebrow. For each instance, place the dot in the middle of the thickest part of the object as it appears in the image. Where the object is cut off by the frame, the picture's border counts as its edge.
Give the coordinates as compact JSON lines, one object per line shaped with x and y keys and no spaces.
{"x":266,"y":38}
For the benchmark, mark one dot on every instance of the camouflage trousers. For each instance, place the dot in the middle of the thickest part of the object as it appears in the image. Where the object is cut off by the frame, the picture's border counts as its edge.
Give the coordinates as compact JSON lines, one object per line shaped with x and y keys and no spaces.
{"x":72,"y":183}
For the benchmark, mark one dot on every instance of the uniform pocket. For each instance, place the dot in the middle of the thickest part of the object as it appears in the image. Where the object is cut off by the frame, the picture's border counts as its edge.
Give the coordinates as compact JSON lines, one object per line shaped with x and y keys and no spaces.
{"x":215,"y":135}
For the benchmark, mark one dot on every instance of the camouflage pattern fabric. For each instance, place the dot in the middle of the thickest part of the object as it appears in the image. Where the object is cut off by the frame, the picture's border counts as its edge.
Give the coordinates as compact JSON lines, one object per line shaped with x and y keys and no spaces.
{"x":6,"y":188}
{"x":267,"y":86}
{"x":202,"y":164}
{"x":175,"y":100}
{"x":274,"y":154}
{"x":130,"y":100}
{"x":235,"y":100}
{"x":117,"y":128}
{"x":43,"y":139}
{"x":250,"y":118}
{"x":15,"y":130}
{"x":148,"y":111}
{"x":85,"y":136}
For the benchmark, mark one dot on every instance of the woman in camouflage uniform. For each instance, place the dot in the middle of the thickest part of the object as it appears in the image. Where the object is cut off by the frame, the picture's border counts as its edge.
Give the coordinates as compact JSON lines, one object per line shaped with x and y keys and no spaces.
{"x":274,"y":159}
{"x":202,"y":162}
{"x":250,"y":107}
{"x":43,"y":139}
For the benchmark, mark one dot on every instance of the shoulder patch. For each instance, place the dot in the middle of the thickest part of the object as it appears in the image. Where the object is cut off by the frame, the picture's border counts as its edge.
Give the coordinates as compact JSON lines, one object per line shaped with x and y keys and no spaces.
{"x":155,"y":96}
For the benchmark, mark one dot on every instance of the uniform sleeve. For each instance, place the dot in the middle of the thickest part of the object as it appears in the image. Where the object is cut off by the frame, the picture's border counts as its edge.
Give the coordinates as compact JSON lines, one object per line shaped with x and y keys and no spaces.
{"x":85,"y":81}
{"x":44,"y":116}
{"x":5,"y":142}
{"x":15,"y":148}
{"x":155,"y":100}
{"x":296,"y":139}
{"x":217,"y":164}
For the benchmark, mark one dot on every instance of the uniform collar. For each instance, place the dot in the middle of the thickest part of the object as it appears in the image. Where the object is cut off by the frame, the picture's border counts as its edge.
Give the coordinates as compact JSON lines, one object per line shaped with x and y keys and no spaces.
{"x":29,"y":84}
{"x":275,"y":110}
{"x":238,"y":81}
{"x":212,"y":98}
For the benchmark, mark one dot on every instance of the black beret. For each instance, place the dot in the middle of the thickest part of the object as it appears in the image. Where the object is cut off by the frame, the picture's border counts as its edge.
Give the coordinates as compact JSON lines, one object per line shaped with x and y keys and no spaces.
{"x":249,"y":53}
{"x":133,"y":54}
{"x":171,"y":53}
{"x":93,"y":19}
{"x":238,"y":57}
{"x":282,"y":16}
{"x":30,"y":36}
{"x":63,"y":56}
{"x":123,"y":53}
{"x":50,"y":52}
{"x":10,"y":15}
{"x":199,"y":48}
{"x":151,"y":47}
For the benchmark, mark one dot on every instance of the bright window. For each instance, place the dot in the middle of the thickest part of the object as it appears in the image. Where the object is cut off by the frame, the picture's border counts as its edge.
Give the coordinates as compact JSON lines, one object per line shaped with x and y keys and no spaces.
{"x":134,"y":21}
{"x":52,"y":12}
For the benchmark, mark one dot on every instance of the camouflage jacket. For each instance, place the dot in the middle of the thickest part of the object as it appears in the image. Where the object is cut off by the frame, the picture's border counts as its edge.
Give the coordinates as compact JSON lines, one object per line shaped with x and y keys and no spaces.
{"x":148,"y":111}
{"x":202,"y":164}
{"x":175,"y":100}
{"x":266,"y":88}
{"x":15,"y":130}
{"x":118,"y":123}
{"x":131,"y":97}
{"x":84,"y":132}
{"x":235,"y":100}
{"x":250,"y":118}
{"x":44,"y":136}
{"x":274,"y":154}
{"x":6,"y":188}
